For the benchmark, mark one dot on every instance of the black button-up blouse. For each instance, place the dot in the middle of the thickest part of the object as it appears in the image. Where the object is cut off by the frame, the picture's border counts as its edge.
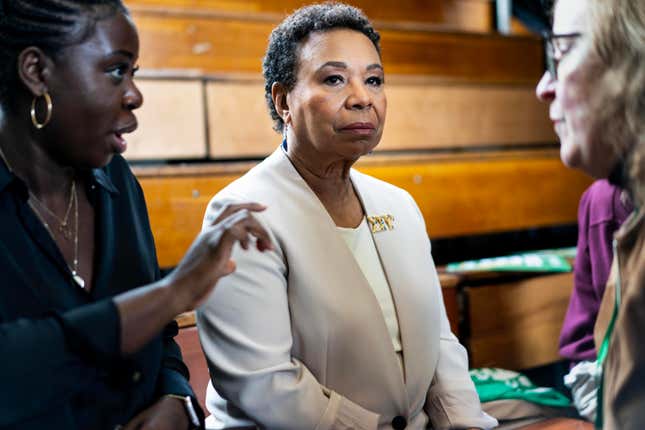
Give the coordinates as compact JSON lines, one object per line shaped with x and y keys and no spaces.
{"x":61,"y":366}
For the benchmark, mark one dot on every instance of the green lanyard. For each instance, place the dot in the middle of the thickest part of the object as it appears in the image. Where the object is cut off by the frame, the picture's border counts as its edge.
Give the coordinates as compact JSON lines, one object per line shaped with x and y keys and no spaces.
{"x":604,"y":348}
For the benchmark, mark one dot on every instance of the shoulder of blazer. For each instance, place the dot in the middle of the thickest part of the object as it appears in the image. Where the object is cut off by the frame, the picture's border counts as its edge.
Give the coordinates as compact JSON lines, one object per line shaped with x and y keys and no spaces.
{"x":255,"y":183}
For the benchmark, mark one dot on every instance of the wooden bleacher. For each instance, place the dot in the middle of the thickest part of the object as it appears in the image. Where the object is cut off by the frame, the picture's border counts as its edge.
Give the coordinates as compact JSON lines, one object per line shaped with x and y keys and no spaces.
{"x":451,"y":82}
{"x":453,"y":37}
{"x":514,"y":322}
{"x":458,"y":194}
{"x":464,"y":135}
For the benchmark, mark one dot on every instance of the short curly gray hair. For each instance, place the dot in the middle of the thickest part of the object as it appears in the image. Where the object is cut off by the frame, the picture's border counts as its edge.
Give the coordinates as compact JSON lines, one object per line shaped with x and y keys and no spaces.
{"x":280,"y":62}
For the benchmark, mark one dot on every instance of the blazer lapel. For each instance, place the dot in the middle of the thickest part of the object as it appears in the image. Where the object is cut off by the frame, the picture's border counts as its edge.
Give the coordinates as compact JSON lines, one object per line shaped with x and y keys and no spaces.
{"x":393,"y":253}
{"x":336,"y":254}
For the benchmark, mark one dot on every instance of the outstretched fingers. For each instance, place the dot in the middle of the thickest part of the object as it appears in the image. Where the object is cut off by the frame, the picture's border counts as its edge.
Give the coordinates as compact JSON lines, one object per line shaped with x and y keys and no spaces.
{"x":209,"y":258}
{"x":235,"y":223}
{"x":227,"y":207}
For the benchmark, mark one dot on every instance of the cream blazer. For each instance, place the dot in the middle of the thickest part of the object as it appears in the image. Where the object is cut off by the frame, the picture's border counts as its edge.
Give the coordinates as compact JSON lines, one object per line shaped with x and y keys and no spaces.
{"x":295,"y":338}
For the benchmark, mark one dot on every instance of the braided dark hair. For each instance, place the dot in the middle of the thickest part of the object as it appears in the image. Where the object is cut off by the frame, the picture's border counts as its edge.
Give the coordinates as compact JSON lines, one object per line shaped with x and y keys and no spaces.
{"x":48,"y":24}
{"x":281,"y":59}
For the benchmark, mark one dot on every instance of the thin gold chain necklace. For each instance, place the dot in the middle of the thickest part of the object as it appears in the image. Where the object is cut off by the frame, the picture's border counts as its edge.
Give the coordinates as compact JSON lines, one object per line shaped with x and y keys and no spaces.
{"x":74,"y":267}
{"x":73,"y":201}
{"x":63,"y":227}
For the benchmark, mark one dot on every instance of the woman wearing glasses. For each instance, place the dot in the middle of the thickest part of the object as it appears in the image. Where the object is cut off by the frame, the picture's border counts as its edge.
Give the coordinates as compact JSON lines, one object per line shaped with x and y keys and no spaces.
{"x":603,"y":209}
{"x":596,"y":90}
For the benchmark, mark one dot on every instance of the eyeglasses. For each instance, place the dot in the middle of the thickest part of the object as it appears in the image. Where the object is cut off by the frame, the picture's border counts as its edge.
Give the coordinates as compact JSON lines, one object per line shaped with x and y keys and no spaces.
{"x":556,"y":47}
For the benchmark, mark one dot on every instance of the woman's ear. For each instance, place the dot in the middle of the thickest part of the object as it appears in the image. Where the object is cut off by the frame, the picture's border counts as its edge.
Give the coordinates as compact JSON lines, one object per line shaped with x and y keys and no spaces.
{"x":34,"y":68}
{"x":279,"y":95}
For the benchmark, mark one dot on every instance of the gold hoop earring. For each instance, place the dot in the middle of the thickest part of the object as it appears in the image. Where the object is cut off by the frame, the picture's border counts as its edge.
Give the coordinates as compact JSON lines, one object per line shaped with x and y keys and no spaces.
{"x":48,"y":115}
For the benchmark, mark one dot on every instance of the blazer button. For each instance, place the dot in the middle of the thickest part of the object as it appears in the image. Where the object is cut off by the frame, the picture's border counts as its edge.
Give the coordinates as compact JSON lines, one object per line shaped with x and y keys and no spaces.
{"x":399,"y":423}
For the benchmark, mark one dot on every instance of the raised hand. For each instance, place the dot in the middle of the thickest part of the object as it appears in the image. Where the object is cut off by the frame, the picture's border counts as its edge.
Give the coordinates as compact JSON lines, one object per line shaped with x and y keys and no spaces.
{"x":146,"y":310}
{"x":208,"y":258}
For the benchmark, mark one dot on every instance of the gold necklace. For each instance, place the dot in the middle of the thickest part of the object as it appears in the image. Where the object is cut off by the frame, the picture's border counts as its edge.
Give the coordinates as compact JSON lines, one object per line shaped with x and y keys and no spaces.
{"x":73,"y":201}
{"x":63,"y":228}
{"x":74,"y":268}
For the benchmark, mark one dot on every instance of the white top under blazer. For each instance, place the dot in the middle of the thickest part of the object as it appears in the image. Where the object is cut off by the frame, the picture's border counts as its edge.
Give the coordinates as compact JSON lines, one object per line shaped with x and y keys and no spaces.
{"x":295,"y":338}
{"x":360,"y":243}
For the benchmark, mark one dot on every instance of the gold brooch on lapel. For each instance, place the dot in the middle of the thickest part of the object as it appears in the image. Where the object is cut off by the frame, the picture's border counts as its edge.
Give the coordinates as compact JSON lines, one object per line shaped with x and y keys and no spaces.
{"x":380,"y":223}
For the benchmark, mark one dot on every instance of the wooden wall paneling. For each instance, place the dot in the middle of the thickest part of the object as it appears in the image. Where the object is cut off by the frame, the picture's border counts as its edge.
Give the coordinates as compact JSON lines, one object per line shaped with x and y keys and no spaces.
{"x":489,"y":195}
{"x":210,"y":45}
{"x":402,"y":10}
{"x":456,"y":195}
{"x":465,"y":57}
{"x":224,"y":45}
{"x":420,"y":116}
{"x":171,"y":121}
{"x":469,"y":15}
{"x":176,"y":206}
{"x":239,"y":120}
{"x":462,"y":15}
{"x":424,"y":116}
{"x":516,"y":325}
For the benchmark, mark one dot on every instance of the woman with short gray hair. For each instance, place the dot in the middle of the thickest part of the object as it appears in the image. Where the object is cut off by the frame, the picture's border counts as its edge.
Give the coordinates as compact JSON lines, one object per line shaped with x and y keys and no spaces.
{"x":342,"y":325}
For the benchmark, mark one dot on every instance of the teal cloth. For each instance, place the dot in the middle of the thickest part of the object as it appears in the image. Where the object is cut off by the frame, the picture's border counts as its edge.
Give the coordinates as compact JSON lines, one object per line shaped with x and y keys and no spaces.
{"x":496,"y":384}
{"x":544,"y":261}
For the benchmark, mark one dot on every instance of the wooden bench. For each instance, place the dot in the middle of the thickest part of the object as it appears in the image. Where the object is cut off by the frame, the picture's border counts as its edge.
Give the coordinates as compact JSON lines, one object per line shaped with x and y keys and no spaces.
{"x":514,"y":322}
{"x":450,"y":39}
{"x":463,"y":15}
{"x":204,"y":118}
{"x":448,"y":86}
{"x":458,"y":194}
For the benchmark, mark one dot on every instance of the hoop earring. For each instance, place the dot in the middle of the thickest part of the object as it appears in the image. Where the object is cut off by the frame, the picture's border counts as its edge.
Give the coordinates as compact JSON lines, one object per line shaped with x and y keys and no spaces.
{"x":48,"y":115}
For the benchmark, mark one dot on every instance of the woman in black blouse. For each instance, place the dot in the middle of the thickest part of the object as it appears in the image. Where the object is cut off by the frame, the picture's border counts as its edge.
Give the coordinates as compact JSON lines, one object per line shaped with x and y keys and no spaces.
{"x":82,"y":307}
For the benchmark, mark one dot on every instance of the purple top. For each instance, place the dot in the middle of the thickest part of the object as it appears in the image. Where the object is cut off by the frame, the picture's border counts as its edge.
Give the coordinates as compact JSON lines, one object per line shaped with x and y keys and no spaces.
{"x":600,"y":213}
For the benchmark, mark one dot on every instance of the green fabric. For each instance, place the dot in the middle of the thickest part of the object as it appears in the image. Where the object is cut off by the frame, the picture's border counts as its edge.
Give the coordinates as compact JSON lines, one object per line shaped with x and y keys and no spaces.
{"x":545,"y":261}
{"x":497,"y":384}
